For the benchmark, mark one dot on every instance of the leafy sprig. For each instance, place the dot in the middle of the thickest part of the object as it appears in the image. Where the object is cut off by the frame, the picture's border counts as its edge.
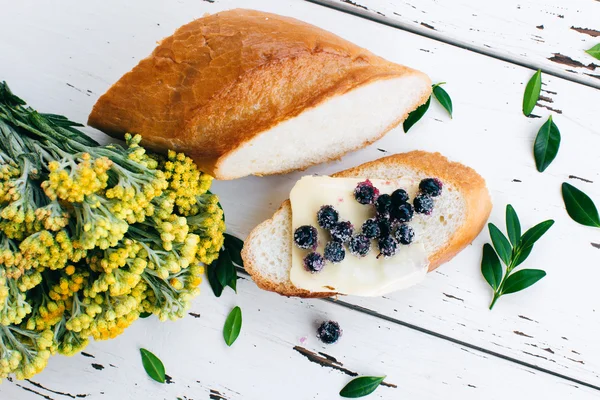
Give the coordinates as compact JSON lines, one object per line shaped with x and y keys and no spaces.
{"x":442,"y":97}
{"x":222,"y":272}
{"x":512,"y":251}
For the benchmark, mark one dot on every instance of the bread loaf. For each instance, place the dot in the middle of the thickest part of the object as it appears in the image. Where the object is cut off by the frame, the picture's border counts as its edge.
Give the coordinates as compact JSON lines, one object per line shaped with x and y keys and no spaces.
{"x":251,"y":93}
{"x":458,"y":217}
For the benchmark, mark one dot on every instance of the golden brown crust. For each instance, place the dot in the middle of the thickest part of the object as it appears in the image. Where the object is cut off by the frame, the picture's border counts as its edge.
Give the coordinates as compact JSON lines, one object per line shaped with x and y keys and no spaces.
{"x":471,"y":185}
{"x":220,"y":80}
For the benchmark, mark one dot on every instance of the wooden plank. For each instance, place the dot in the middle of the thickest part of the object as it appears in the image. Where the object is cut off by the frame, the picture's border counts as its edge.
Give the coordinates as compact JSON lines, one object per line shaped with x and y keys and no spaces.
{"x":547,"y":34}
{"x":76,"y":59}
{"x":278,"y":356}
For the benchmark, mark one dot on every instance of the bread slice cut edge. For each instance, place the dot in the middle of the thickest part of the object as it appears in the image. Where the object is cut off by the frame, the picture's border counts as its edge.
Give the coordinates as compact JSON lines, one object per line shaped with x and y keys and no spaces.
{"x":267,"y":250}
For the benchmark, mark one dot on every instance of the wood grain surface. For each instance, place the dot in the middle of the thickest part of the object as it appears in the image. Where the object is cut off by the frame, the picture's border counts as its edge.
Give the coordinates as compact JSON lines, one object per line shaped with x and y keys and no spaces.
{"x":435,"y":340}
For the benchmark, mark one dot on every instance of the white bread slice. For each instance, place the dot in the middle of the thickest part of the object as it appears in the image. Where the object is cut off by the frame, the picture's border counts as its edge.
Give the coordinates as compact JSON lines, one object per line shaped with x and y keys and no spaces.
{"x":458,"y":217}
{"x":242,"y":91}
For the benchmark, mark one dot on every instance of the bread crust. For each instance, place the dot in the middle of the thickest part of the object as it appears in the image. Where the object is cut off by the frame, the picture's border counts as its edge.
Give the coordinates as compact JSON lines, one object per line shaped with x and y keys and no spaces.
{"x":221,"y":80}
{"x":465,"y":179}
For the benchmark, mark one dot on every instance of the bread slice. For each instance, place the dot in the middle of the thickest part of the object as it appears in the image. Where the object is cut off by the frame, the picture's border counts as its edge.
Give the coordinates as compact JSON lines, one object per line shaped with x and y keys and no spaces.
{"x":458,"y":217}
{"x":243,"y":91}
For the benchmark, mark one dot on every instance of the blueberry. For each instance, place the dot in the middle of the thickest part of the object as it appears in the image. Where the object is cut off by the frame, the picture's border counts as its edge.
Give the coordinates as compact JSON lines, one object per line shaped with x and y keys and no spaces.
{"x":327,"y":217}
{"x":314,"y":262}
{"x":366,"y":193}
{"x":334,"y":252}
{"x":329,"y":332}
{"x":423,"y":204}
{"x":387,"y":247}
{"x":370,"y":228}
{"x":402,"y":212}
{"x":305,"y":237}
{"x":383,"y":204}
{"x":431,"y":186}
{"x":405,"y":234}
{"x":359,"y":245}
{"x":385,"y":227}
{"x":399,"y":196}
{"x":342,"y":231}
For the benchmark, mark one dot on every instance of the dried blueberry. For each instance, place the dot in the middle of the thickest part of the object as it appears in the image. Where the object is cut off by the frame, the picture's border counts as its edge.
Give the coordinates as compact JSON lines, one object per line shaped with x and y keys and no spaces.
{"x":431,"y":186}
{"x":366,"y":193}
{"x":342,"y":231}
{"x":423,"y":204}
{"x":329,"y":332}
{"x":402,"y":212}
{"x":305,"y":237}
{"x":387,"y":247}
{"x":327,"y":217}
{"x":399,"y":196}
{"x":383,"y":204}
{"x":385,"y":227}
{"x":314,"y":262}
{"x":359,"y":245}
{"x":334,"y":252}
{"x":370,"y":228}
{"x":404,"y":234}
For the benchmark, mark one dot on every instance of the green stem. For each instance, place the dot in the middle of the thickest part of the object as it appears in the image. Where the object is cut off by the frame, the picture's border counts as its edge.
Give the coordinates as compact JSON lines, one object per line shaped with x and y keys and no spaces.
{"x":494,"y":299}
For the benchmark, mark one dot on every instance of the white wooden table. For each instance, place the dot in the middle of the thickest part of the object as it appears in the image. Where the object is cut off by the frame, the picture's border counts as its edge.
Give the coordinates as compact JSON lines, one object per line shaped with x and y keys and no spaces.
{"x":436,"y":340}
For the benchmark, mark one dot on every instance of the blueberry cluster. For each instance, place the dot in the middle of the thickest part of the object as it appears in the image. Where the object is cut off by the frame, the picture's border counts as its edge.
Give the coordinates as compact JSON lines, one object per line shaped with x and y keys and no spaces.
{"x":389,"y":227}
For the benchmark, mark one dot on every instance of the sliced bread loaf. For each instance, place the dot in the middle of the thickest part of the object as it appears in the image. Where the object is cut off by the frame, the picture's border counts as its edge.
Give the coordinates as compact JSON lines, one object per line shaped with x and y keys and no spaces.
{"x":458,"y":217}
{"x":246,"y":92}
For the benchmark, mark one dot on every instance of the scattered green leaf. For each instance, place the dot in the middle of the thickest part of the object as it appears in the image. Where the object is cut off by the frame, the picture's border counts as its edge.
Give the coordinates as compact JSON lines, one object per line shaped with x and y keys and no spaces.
{"x":522,"y":280}
{"x":361,"y":386}
{"x":443,"y":97}
{"x":416,"y":115}
{"x":222,"y":272}
{"x":153,"y":366}
{"x":513,"y":226}
{"x":546,"y":145}
{"x":233,"y":325}
{"x":579,"y":206}
{"x":594,"y":51}
{"x":501,"y":243}
{"x":532,"y":93}
{"x":511,"y":256}
{"x":491,"y":267}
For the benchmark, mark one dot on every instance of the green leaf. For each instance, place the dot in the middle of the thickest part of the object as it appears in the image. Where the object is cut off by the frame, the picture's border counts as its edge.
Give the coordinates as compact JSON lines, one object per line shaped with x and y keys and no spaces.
{"x":594,"y":51}
{"x":233,"y":283}
{"x":153,"y":366}
{"x":534,"y":234}
{"x":225,"y":268}
{"x":579,"y":206}
{"x":513,"y":226}
{"x":361,"y":386}
{"x":234,"y":245}
{"x":145,"y":314}
{"x":443,"y":97}
{"x":546,"y":145}
{"x":416,"y":115}
{"x":532,"y":93}
{"x":491,"y":267}
{"x":522,"y":255}
{"x":522,"y":280}
{"x":211,"y":274}
{"x":501,"y":243}
{"x":233,"y":325}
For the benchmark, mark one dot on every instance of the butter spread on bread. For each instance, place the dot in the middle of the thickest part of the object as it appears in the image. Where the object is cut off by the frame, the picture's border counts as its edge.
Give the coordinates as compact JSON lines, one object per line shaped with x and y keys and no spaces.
{"x":246,"y":92}
{"x":370,"y":275}
{"x":458,"y":217}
